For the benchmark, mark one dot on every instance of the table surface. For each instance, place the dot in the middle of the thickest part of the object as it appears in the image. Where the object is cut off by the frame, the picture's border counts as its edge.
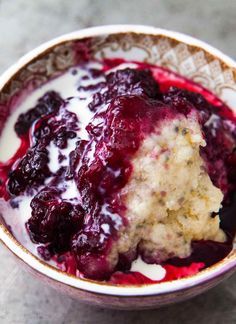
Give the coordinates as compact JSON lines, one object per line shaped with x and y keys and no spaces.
{"x":24,"y":25}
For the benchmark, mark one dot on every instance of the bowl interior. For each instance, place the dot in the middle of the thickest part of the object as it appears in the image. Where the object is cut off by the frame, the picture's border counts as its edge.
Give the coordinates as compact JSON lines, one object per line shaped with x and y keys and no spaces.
{"x":179,"y":53}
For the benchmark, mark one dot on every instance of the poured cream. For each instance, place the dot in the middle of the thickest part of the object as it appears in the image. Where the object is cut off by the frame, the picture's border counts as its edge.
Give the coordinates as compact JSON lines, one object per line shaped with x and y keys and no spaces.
{"x":66,"y":85}
{"x":16,"y":219}
{"x":9,"y":142}
{"x":152,"y":271}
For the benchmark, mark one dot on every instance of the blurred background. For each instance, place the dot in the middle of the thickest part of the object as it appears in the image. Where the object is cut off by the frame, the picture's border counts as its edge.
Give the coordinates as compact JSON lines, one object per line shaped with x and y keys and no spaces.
{"x":25,"y":24}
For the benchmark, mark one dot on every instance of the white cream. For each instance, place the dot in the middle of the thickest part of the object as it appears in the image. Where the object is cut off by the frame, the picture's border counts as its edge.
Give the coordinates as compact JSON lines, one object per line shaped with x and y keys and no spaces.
{"x":152,"y":271}
{"x":16,"y":219}
{"x":54,"y":164}
{"x":106,"y":228}
{"x":84,"y":115}
{"x":71,"y":191}
{"x":9,"y":142}
{"x":66,"y":85}
{"x":122,"y":67}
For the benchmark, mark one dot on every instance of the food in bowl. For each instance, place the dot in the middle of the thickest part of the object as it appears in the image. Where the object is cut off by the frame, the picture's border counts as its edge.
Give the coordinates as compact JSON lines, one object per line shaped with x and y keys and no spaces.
{"x":121,"y":171}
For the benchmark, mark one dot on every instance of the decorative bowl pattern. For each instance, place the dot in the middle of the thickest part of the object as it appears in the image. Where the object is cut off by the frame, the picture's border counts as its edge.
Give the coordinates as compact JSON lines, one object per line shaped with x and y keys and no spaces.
{"x":180,"y":53}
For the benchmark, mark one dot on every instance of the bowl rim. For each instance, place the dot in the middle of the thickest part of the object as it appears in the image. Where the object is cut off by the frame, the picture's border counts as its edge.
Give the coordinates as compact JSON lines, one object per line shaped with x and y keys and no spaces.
{"x":210,"y":273}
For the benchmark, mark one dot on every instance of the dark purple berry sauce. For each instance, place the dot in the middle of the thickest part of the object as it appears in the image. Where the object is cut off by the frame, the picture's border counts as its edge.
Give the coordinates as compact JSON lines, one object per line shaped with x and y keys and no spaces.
{"x":127,"y":105}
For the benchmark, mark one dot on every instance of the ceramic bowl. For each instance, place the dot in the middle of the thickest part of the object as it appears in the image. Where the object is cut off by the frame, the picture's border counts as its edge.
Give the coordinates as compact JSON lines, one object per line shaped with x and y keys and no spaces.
{"x":183,"y":54}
